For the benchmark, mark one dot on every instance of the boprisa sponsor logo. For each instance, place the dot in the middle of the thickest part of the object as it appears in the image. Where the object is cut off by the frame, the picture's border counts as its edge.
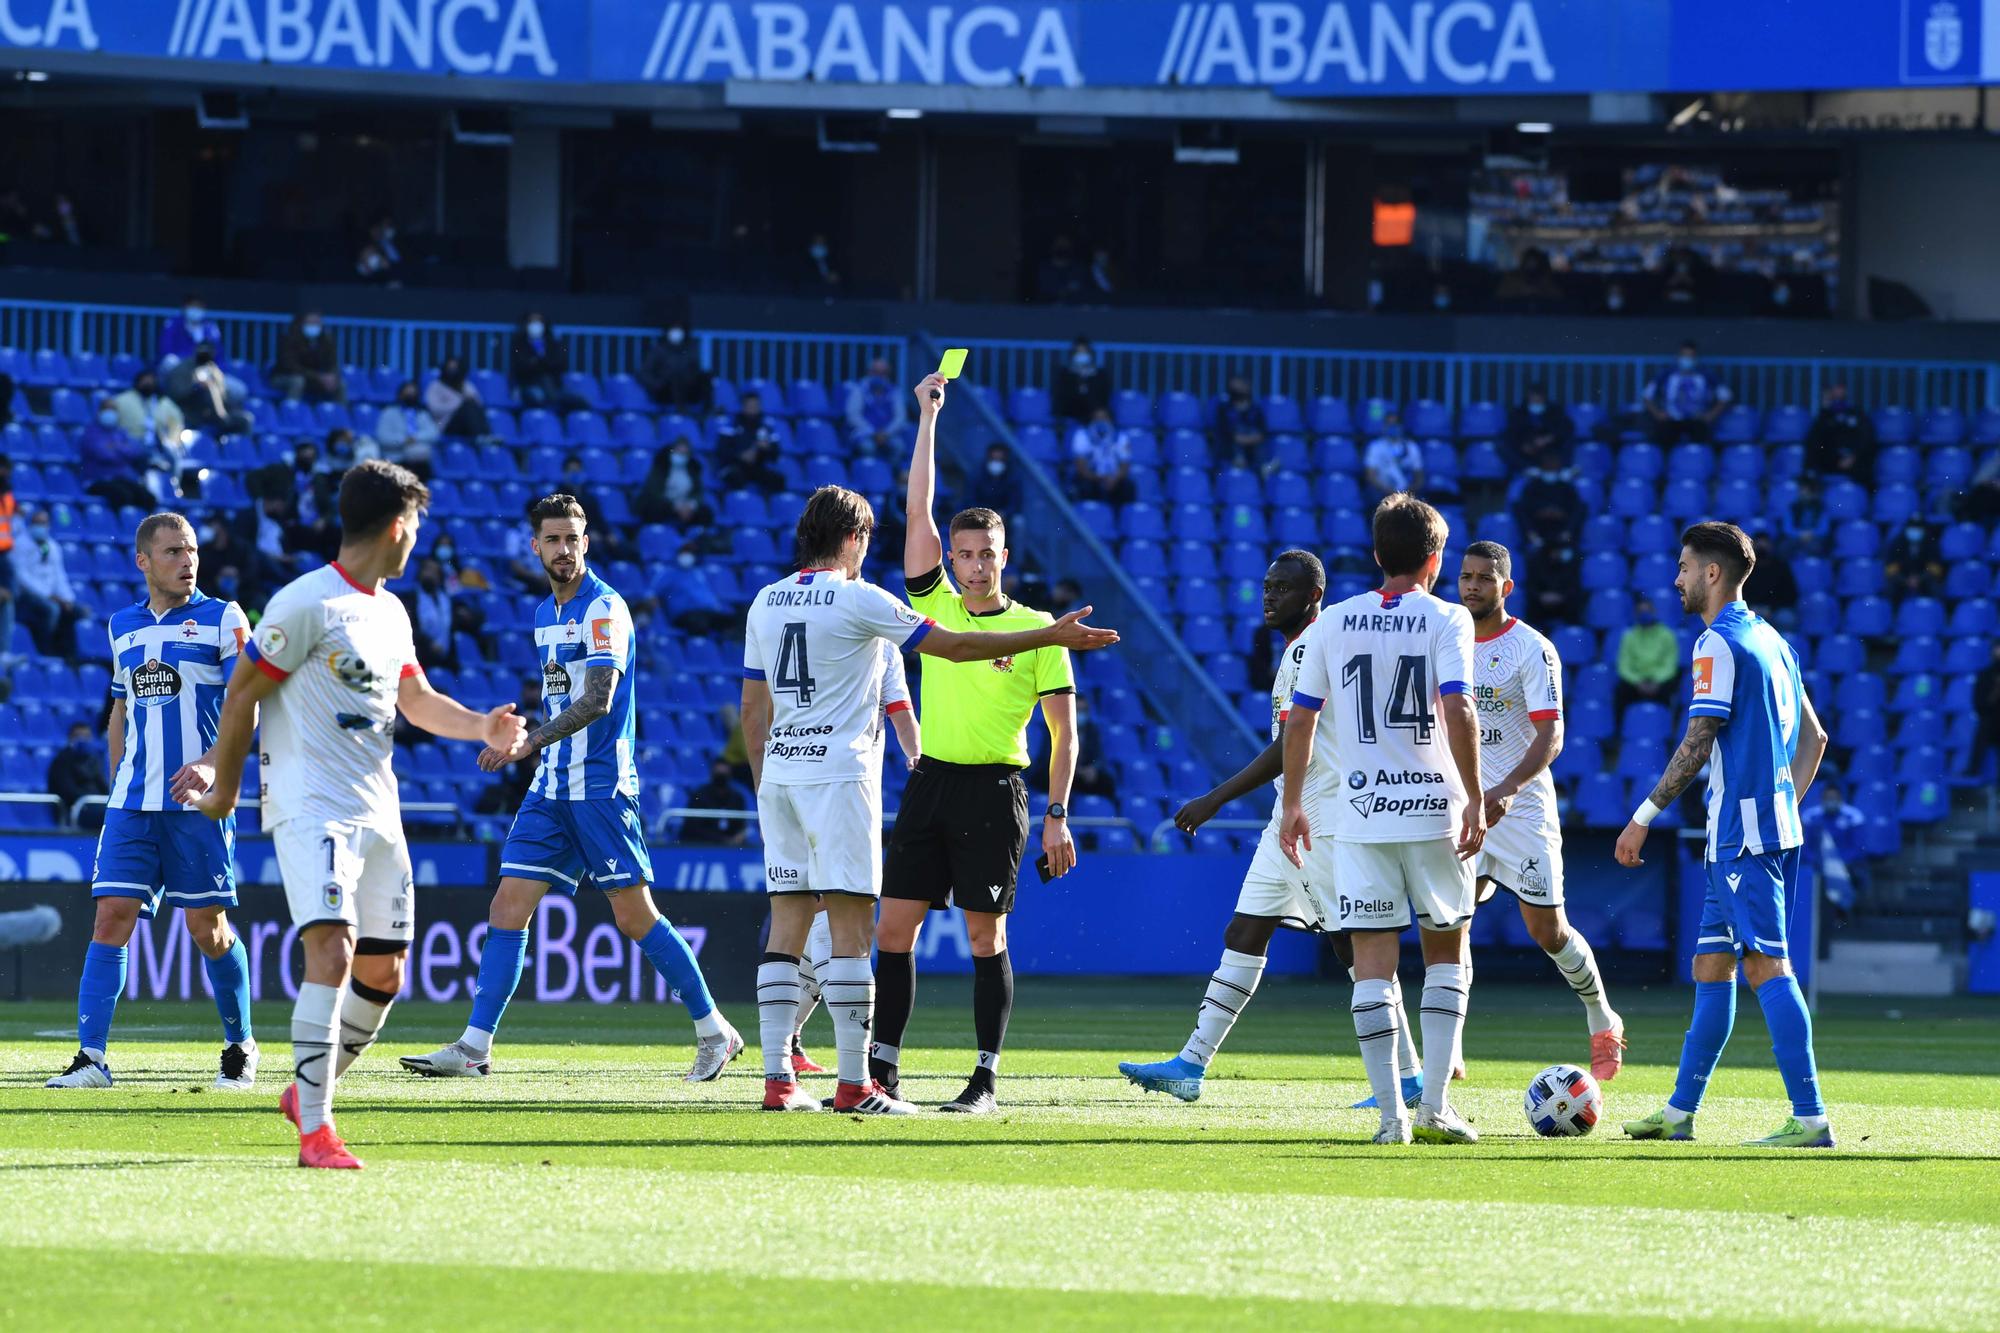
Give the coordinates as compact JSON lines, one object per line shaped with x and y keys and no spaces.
{"x":779,"y":750}
{"x":1365,"y":906}
{"x":1371,"y":804}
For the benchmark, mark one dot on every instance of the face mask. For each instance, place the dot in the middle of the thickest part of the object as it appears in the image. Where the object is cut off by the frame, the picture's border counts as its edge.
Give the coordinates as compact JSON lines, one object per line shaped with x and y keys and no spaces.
{"x":994,"y":467}
{"x":310,"y":330}
{"x":1536,"y":409}
{"x":147,"y":389}
{"x":195,"y":314}
{"x":1687,"y":363}
{"x":1081,"y":360}
{"x":1915,"y":532}
{"x":1441,"y":301}
{"x":685,"y":560}
{"x":534,"y":328}
{"x":41,"y":531}
{"x":1614,"y":302}
{"x":445,"y":553}
{"x":818,"y":252}
{"x":676,"y":336}
{"x":107,"y":418}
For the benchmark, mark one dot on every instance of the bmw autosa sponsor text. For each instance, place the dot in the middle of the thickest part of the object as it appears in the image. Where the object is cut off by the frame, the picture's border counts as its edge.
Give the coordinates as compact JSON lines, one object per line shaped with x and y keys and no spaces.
{"x":1435,"y":800}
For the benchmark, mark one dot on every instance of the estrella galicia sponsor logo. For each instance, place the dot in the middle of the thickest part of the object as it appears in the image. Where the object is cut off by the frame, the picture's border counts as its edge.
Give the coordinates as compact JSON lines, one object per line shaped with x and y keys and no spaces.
{"x":555,"y":679}
{"x":155,"y":682}
{"x":1357,"y":780}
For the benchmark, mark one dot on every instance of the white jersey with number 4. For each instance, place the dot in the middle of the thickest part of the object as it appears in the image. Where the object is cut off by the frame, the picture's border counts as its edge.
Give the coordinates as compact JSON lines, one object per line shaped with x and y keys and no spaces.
{"x":1319,"y":776}
{"x":1376,"y":667}
{"x":327,"y":736}
{"x":816,"y":638}
{"x":1517,"y":682}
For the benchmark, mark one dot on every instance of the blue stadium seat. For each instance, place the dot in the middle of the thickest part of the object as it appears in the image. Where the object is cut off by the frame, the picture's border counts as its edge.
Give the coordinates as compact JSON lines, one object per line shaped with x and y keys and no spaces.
{"x":1839,"y":655}
{"x":1917,"y":692}
{"x":1742,"y":462}
{"x":1859,"y":691}
{"x":1632,"y":497}
{"x":1738,"y":425}
{"x":1587,"y":417}
{"x":1986,"y":427}
{"x":1609,"y":609}
{"x":1898,"y":466}
{"x":1427,"y":419}
{"x":1684,"y":499}
{"x":1645,"y":724}
{"x":1925,"y":802}
{"x":1482,"y":421}
{"x":1868,"y":617}
{"x":1973,"y":617}
{"x":1142,"y":521}
{"x":1336,"y":453}
{"x":1893,"y":425}
{"x":1606,"y":569}
{"x":1641,"y":460}
{"x":1942,"y":426}
{"x":1241,"y":486}
{"x":1691,"y":460}
{"x":1787,"y":424}
{"x":1185,"y":448}
{"x":1243,"y":523}
{"x":1855,"y":539}
{"x":1281,"y":415}
{"x":1327,"y":415}
{"x":1948,"y":468}
{"x":1348,"y":530}
{"x":1029,"y":406}
{"x":808,"y":398}
{"x":1917,"y":654}
{"x":1600,"y":800}
{"x":1920,"y":616}
{"x":769,"y":392}
{"x":1962,"y":541}
{"x":1337,"y":490}
{"x":1895,"y":505}
{"x":1192,"y":560}
{"x":1738,"y":501}
{"x":1189,"y":485}
{"x":1483,"y":462}
{"x":1499,"y":526}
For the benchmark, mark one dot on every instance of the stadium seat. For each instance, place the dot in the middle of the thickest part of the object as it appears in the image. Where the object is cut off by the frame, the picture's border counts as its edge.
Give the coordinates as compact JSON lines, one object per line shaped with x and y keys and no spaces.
{"x":1738,"y":425}
{"x":1920,"y":616}
{"x":1942,"y":426}
{"x":1281,"y":415}
{"x":1427,"y":419}
{"x":1787,"y":424}
{"x":1948,"y":468}
{"x":1029,"y":406}
{"x":1641,"y":460}
{"x":1696,"y":461}
{"x":1895,"y":505}
{"x":1329,"y":416}
{"x":1587,"y":417}
{"x":1893,"y":425}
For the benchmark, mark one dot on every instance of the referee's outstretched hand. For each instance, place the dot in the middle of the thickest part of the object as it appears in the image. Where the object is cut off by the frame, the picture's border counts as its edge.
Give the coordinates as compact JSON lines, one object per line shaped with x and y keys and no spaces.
{"x":1073,"y":634}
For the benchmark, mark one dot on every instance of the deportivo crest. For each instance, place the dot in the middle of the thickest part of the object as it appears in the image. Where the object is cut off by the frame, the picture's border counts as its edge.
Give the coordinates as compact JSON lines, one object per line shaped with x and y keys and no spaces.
{"x":189,"y":629}
{"x":1944,"y":35}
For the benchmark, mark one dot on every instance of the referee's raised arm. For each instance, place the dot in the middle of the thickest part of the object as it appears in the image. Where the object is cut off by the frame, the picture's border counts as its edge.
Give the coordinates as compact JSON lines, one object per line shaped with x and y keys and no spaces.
{"x":923,"y":548}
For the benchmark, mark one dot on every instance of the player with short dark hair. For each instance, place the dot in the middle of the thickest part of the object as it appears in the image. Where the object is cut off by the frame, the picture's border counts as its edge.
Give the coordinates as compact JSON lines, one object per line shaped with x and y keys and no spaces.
{"x":1751,"y":723}
{"x":1275,"y":892}
{"x":1517,"y":688}
{"x":580,"y":818}
{"x":332,"y":663}
{"x":168,"y":654}
{"x":963,"y":824}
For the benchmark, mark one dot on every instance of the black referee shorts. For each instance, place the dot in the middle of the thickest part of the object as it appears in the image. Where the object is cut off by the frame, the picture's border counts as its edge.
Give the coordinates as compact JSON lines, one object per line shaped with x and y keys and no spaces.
{"x":959,"y":836}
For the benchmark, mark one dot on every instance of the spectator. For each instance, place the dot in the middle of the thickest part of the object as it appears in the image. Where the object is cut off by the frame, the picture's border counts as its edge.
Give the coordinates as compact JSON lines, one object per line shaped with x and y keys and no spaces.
{"x":1914,"y":563}
{"x":6,"y":398}
{"x":1102,"y":460}
{"x":1093,"y":775}
{"x":379,"y":261}
{"x":536,"y":364}
{"x":1239,"y":426}
{"x":675,"y":476}
{"x":1614,"y":297}
{"x":344,"y":449}
{"x":1066,"y":596}
{"x":180,"y":337}
{"x":1832,"y":831}
{"x":505,"y":795}
{"x":1981,"y":501}
{"x":77,"y":771}
{"x":1649,"y":658}
{"x":874,"y":411}
{"x":1530,"y":286}
{"x":1060,"y":279}
{"x":524,"y":567}
{"x":1082,"y":387}
{"x":998,"y":486}
{"x":8,"y":508}
{"x":1548,"y":508}
{"x":1394,"y":462}
{"x":687,"y":598}
{"x":1539,"y":432}
{"x":672,"y":374}
{"x":44,"y":601}
{"x":432,"y":617}
{"x":1682,"y":288}
{"x":278,"y":527}
{"x":308,"y":363}
{"x":406,"y":431}
{"x":224,"y":558}
{"x":205,"y":393}
{"x":1807,"y":525}
{"x":1773,"y":589}
{"x":1841,"y":439}
{"x":143,"y":410}
{"x":749,"y":446}
{"x":1986,"y":706}
{"x":818,"y":276}
{"x":1685,"y":401}
{"x":454,"y":404}
{"x":111,"y":464}
{"x":720,"y":792}
{"x":1100,"y":283}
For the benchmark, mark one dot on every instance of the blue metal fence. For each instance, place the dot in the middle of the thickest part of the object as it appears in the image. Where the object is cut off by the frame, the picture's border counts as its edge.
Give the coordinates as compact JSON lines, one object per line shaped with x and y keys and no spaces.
{"x":415,"y":346}
{"x":1458,"y":378}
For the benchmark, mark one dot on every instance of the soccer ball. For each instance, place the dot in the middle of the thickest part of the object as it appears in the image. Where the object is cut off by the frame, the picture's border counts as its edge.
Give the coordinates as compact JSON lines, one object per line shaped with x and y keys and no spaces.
{"x":1563,"y":1102}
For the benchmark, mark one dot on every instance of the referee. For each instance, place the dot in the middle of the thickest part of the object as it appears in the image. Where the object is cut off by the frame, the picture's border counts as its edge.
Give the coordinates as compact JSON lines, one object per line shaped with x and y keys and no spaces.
{"x":963,"y":824}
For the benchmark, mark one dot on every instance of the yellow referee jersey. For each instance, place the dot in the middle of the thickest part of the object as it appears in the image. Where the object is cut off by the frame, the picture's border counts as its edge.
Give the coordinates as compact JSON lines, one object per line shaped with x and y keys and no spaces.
{"x":977,"y":712}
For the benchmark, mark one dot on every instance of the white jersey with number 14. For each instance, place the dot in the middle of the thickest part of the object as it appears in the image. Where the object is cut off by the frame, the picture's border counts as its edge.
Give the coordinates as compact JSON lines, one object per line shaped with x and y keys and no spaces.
{"x":1375,"y":667}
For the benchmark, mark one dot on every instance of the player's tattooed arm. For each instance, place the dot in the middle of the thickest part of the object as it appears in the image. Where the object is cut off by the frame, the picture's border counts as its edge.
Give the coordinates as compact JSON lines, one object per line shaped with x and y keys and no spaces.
{"x":592,"y":702}
{"x":1687,"y":760}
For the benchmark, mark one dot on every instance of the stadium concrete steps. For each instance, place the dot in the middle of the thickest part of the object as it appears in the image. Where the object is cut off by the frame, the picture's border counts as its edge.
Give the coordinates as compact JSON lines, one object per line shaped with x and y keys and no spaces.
{"x":1890,"y":967}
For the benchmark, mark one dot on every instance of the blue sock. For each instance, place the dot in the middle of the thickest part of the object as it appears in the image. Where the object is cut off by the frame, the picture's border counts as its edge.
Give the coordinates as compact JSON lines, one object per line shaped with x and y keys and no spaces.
{"x":667,"y":951}
{"x":1786,"y":1015}
{"x":1714,"y":1015}
{"x":97,"y":994}
{"x":229,"y":978}
{"x":500,"y":964}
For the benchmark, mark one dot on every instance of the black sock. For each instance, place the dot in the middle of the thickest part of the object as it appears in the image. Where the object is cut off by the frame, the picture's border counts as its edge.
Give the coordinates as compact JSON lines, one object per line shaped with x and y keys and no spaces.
{"x":992,"y":1003}
{"x":895,"y":997}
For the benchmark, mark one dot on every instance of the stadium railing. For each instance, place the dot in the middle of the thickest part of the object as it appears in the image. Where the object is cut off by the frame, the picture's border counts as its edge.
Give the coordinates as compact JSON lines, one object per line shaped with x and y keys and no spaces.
{"x":1457,"y":378}
{"x":1181,"y":691}
{"x":416,"y":345}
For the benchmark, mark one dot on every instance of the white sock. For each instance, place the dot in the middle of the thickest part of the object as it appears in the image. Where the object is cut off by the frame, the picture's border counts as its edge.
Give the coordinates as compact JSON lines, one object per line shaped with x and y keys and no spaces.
{"x":1579,"y":968}
{"x":315,"y":1032}
{"x":1812,"y":1121}
{"x":777,"y":1009}
{"x":1445,"y":987}
{"x":710,"y":1024}
{"x":819,"y":948}
{"x":849,"y":986}
{"x":1229,"y":989}
{"x":1674,"y":1114}
{"x":361,"y":1020}
{"x":1376,"y":1019}
{"x":94,"y":1054}
{"x":478,"y":1040}
{"x":1407,"y":1060}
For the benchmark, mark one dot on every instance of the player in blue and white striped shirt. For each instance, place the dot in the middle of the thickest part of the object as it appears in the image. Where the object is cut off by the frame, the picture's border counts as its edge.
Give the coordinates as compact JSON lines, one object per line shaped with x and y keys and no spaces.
{"x":1751,"y":722}
{"x":581,"y":814}
{"x":170,"y":654}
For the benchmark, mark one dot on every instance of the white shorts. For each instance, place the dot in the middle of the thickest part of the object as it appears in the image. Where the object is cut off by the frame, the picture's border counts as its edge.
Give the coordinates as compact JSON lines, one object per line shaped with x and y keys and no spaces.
{"x":825,"y":837}
{"x":1526,"y":859}
{"x":1382,"y":885}
{"x":1277,"y":888}
{"x":335,"y":871}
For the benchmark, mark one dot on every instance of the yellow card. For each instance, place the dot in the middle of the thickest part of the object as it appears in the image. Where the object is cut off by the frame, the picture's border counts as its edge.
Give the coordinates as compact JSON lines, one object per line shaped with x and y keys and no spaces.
{"x":953,"y":363}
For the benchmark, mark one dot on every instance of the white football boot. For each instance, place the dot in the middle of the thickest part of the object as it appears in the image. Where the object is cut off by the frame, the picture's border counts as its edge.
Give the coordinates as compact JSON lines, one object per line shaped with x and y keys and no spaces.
{"x":713,"y":1054}
{"x":454,"y":1061}
{"x":83,"y":1072}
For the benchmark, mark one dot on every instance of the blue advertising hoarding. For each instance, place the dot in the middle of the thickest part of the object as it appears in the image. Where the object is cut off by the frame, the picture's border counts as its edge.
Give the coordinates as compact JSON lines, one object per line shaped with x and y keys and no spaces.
{"x":1342,"y":48}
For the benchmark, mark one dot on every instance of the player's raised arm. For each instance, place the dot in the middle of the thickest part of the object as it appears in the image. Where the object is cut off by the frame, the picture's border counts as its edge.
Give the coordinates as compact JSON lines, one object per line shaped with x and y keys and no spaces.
{"x":248,"y":687}
{"x":923,"y":548}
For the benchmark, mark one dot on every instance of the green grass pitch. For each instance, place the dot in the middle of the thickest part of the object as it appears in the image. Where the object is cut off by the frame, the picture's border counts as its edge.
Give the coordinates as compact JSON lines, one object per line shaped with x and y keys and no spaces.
{"x":585,"y":1186}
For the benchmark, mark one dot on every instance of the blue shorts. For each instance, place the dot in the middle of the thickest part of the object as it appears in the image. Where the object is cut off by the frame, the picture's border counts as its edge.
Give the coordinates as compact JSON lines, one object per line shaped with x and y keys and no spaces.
{"x":559,"y":842}
{"x":1749,"y":900}
{"x":188,"y":859}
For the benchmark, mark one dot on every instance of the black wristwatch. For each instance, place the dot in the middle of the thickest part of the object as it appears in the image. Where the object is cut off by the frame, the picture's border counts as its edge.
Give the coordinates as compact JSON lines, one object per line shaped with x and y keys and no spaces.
{"x":1057,"y":810}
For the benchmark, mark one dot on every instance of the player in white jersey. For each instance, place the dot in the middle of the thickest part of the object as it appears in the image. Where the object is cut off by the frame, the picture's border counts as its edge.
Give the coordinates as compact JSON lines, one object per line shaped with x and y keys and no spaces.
{"x":812,"y":722}
{"x":1517,"y":687}
{"x":902,"y":716}
{"x":1386,"y":687}
{"x":1274,"y":892}
{"x":331,"y":664}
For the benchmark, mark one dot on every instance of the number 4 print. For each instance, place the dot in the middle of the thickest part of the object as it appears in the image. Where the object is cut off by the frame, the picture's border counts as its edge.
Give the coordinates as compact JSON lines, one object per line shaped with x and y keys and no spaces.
{"x":794,"y":673}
